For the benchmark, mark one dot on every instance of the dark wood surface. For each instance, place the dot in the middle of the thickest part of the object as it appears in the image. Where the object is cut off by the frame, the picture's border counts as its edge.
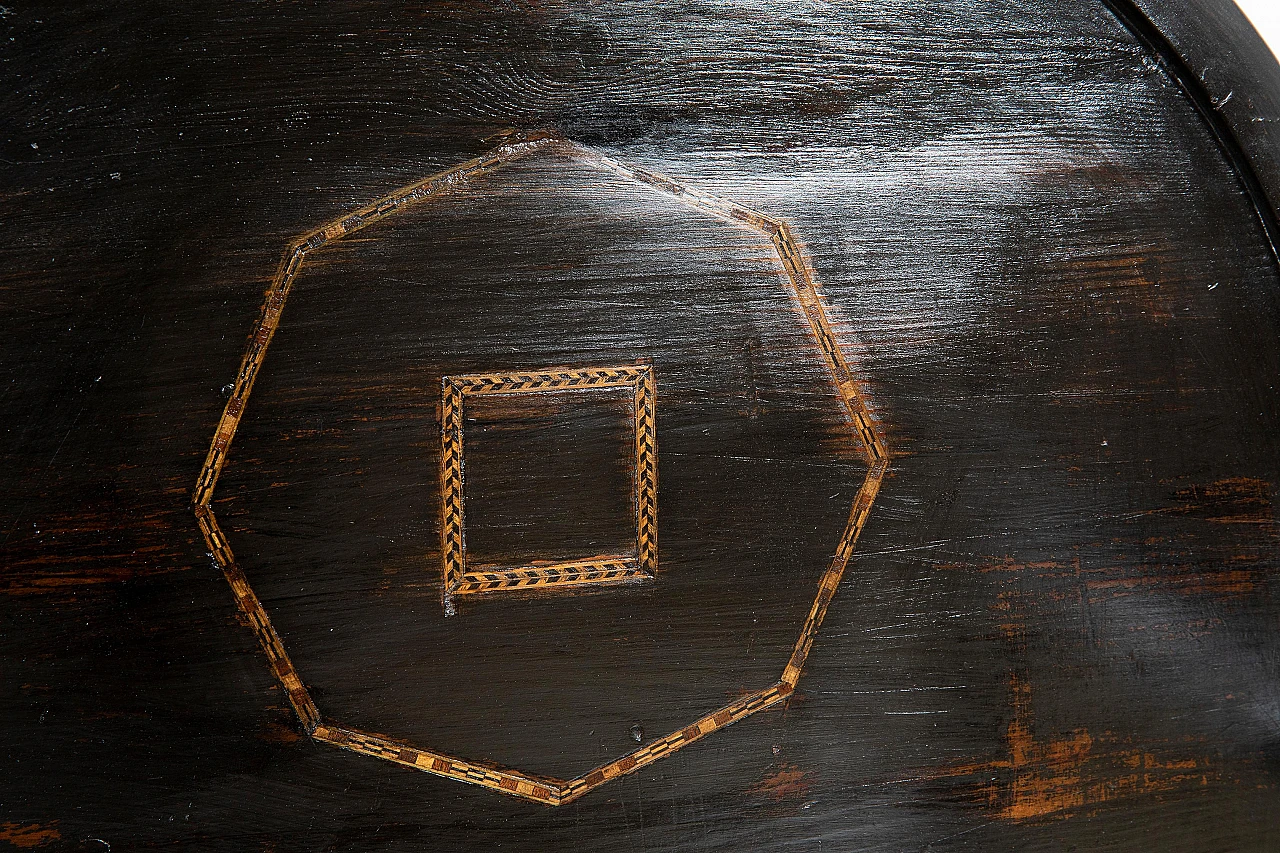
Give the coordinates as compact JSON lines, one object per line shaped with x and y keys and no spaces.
{"x":1058,"y":296}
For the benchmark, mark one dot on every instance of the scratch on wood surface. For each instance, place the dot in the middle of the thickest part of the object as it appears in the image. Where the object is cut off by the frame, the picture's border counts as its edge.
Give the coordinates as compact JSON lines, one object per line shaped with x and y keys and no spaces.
{"x":1164,"y":570}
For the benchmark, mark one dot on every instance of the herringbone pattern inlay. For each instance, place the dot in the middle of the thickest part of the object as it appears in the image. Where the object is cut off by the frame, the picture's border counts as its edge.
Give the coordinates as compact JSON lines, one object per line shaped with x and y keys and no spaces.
{"x":639,"y":565}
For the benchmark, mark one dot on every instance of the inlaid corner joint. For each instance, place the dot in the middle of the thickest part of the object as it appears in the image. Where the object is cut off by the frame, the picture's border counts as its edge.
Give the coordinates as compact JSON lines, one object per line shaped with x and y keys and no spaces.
{"x":865,"y":434}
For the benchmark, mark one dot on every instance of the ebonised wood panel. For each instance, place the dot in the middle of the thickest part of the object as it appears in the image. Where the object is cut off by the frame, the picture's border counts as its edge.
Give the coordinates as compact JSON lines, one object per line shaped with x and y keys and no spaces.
{"x":1044,"y":266}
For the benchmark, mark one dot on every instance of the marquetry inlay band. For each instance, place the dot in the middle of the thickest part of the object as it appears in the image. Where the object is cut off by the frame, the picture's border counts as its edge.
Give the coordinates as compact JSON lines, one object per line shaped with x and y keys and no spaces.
{"x":639,"y":565}
{"x":865,"y":433}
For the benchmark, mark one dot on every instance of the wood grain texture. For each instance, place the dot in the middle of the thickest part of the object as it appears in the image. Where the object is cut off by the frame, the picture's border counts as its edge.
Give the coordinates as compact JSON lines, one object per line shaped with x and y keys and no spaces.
{"x":1058,"y":629}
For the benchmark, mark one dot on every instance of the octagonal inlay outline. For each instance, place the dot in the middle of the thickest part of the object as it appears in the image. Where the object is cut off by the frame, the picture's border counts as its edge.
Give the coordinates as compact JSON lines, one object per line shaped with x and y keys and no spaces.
{"x":865,"y":433}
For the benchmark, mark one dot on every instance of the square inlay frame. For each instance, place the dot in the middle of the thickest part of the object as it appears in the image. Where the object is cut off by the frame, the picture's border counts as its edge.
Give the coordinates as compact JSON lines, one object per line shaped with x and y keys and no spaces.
{"x":640,"y":565}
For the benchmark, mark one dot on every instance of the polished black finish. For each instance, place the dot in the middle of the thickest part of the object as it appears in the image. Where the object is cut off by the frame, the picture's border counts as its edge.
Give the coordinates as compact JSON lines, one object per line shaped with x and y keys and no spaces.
{"x":1043,"y":232}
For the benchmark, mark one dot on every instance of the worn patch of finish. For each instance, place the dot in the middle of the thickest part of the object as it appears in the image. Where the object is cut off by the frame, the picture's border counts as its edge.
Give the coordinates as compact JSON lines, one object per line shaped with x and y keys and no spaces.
{"x":866,"y":434}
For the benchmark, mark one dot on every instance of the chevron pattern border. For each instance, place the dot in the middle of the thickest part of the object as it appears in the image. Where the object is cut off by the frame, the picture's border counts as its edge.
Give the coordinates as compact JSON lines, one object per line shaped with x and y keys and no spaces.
{"x":640,"y":565}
